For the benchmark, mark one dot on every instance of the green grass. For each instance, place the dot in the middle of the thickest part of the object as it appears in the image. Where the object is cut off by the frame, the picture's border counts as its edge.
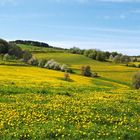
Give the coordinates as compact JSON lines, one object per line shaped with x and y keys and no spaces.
{"x":106,"y":70}
{"x":38,"y":49}
{"x":37,"y":103}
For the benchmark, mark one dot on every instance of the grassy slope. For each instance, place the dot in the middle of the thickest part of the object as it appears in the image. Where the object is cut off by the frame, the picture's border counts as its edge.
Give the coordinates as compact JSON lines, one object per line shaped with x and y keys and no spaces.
{"x":38,"y":49}
{"x":37,"y":103}
{"x":107,"y":71}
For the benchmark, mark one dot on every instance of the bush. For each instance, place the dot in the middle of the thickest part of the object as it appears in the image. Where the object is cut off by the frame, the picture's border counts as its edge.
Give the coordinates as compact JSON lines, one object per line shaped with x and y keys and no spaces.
{"x":125,"y":59}
{"x":33,"y":61}
{"x":100,"y":56}
{"x":136,"y":81}
{"x":66,"y":77}
{"x":75,"y":50}
{"x":111,"y":57}
{"x":15,"y":51}
{"x":94,"y":75}
{"x":4,"y":46}
{"x":64,"y":68}
{"x":116,"y":59}
{"x":86,"y":71}
{"x":138,"y":66}
{"x":47,"y":65}
{"x":51,"y":64}
{"x":42,"y":63}
{"x":69,"y":70}
{"x":131,"y":65}
{"x":26,"y":56}
{"x":6,"y":57}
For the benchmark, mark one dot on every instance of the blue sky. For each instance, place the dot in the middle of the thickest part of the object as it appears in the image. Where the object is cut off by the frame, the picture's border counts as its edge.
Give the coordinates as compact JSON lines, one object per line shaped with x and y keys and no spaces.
{"x":110,"y":25}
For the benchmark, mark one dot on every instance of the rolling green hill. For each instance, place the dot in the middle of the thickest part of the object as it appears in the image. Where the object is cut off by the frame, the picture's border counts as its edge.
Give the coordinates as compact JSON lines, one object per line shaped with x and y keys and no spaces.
{"x":37,"y":103}
{"x":107,"y":70}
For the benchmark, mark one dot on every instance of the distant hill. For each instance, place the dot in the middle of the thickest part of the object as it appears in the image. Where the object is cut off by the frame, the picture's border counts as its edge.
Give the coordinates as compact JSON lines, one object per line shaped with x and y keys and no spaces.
{"x":36,"y":43}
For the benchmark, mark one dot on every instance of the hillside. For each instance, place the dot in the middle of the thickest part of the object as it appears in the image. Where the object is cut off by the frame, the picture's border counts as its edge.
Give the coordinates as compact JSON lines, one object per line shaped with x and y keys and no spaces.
{"x":46,"y":106}
{"x":108,"y":71}
{"x":37,"y":103}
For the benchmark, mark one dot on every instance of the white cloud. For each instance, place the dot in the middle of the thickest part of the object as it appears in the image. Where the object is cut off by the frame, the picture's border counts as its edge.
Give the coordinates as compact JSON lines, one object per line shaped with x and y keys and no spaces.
{"x":5,"y":2}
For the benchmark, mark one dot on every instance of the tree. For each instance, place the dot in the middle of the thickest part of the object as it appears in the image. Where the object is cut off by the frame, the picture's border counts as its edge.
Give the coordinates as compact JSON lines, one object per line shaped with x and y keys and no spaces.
{"x":15,"y":50}
{"x":87,"y":52}
{"x":42,"y":63}
{"x":67,"y":77}
{"x":111,"y":57}
{"x":92,"y":54}
{"x":117,"y":59}
{"x":136,"y":80}
{"x":26,"y":56}
{"x":107,"y":55}
{"x":134,"y":59}
{"x":100,"y":56}
{"x":6,"y":57}
{"x":51,"y":64}
{"x":64,"y":68}
{"x":75,"y":50}
{"x":4,"y":46}
{"x":125,"y":59}
{"x":114,"y":54}
{"x":86,"y":71}
{"x":33,"y":61}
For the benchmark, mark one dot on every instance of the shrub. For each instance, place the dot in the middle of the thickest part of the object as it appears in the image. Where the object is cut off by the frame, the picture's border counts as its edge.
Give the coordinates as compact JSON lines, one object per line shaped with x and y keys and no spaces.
{"x":42,"y":63}
{"x":64,"y":68}
{"x":69,"y":70}
{"x":116,"y":59}
{"x":94,"y":75}
{"x":66,"y":77}
{"x":111,"y":57}
{"x":100,"y":56}
{"x":26,"y":56}
{"x":92,"y":54}
{"x":4,"y":46}
{"x":136,"y":81}
{"x":131,"y":65}
{"x":47,"y":65}
{"x":56,"y":66}
{"x":15,"y":50}
{"x":75,"y":50}
{"x":51,"y":64}
{"x":86,"y":71}
{"x":6,"y":57}
{"x":138,"y":66}
{"x":33,"y":61}
{"x":125,"y":59}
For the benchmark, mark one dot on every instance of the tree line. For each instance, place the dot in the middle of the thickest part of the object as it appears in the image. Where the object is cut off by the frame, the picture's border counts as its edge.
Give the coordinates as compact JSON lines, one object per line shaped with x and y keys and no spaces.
{"x":10,"y":50}
{"x":35,"y":43}
{"x":103,"y":55}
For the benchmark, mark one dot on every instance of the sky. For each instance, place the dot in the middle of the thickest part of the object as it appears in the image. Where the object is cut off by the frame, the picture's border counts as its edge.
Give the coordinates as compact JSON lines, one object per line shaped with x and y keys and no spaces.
{"x":108,"y":25}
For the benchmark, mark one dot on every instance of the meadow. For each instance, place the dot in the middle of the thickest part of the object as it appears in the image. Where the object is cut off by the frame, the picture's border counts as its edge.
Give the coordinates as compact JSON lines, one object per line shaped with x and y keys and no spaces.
{"x":37,"y":103}
{"x":107,"y":70}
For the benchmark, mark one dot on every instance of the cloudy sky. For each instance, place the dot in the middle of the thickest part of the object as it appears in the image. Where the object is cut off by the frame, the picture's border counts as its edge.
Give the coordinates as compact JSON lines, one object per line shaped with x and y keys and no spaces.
{"x":110,"y":25}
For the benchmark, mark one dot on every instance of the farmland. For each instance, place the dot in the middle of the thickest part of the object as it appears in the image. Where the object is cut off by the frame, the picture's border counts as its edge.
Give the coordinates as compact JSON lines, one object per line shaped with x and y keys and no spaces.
{"x":37,"y":103}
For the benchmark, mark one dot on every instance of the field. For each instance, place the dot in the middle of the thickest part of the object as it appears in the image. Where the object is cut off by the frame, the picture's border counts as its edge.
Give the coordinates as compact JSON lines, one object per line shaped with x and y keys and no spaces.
{"x":107,"y":70}
{"x":37,"y":103}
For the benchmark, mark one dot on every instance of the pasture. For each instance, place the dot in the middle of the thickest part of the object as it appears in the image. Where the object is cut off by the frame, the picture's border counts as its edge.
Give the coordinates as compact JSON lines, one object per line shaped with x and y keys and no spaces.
{"x":37,"y":103}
